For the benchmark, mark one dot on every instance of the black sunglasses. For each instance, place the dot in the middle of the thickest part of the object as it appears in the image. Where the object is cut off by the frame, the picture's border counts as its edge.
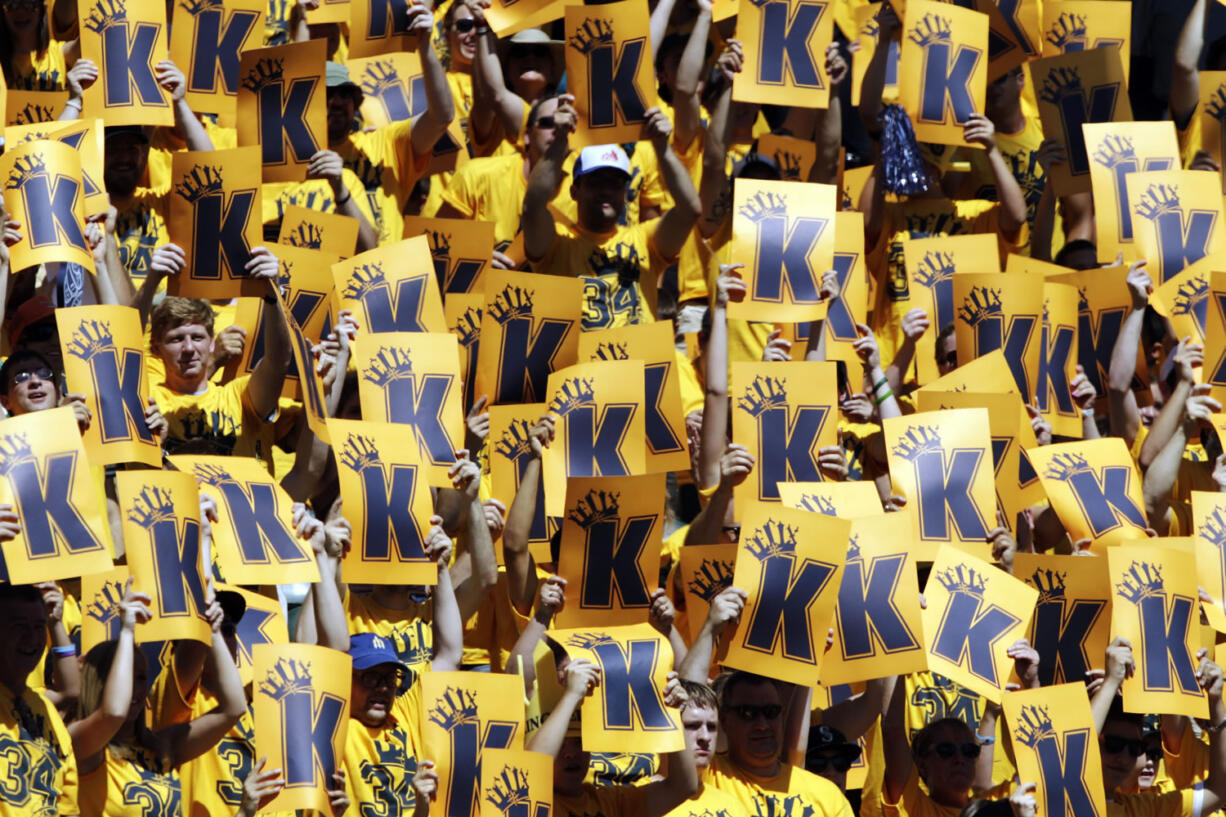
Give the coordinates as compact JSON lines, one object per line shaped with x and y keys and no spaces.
{"x":947,"y":750}
{"x":42,"y":373}
{"x":40,"y":332}
{"x":522,"y":51}
{"x":546,"y":122}
{"x":1114,"y":744}
{"x":840,"y":763}
{"x":464,"y":25}
{"x":748,"y":712}
{"x":373,"y":680}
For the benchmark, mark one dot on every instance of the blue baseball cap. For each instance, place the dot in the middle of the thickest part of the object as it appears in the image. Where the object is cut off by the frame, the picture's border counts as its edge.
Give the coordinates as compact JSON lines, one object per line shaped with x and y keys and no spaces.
{"x":369,"y":650}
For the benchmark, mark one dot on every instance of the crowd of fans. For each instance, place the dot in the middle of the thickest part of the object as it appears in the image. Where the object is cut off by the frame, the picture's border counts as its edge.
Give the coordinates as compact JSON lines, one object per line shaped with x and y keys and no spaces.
{"x":647,"y":226}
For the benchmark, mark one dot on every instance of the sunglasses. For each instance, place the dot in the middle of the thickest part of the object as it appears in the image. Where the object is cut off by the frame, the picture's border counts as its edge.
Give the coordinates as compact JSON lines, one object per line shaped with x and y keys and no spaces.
{"x":546,"y":122}
{"x":1114,"y":744}
{"x":42,"y":373}
{"x":749,"y":712}
{"x":374,"y":680}
{"x":40,"y":332}
{"x":947,"y":750}
{"x":464,"y":25}
{"x":539,"y":52}
{"x":840,"y":763}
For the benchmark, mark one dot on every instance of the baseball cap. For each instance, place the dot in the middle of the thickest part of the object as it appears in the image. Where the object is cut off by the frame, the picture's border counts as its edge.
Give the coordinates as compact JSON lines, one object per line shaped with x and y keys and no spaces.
{"x":824,"y":738}
{"x":337,"y":76}
{"x":369,"y":650}
{"x":126,"y":130}
{"x":38,"y":308}
{"x":598,"y":157}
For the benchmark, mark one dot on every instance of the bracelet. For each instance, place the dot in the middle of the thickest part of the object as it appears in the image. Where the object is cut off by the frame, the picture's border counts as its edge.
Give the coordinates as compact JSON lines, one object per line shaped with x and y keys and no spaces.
{"x":345,"y":200}
{"x":270,"y":299}
{"x":880,"y":383}
{"x":73,"y":103}
{"x":65,"y":652}
{"x":1217,"y":727}
{"x":482,"y":30}
{"x":888,"y":394}
{"x":985,"y":741}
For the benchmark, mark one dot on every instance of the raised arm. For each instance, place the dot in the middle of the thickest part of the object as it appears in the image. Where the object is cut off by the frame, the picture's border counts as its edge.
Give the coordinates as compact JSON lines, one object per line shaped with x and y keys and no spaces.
{"x":91,"y":734}
{"x":264,"y":388}
{"x":979,"y":130}
{"x":521,"y":568}
{"x":828,"y":128}
{"x":428,"y":128}
{"x":509,"y":108}
{"x":895,"y":745}
{"x":537,"y":221}
{"x":1210,"y":676}
{"x":582,"y":676}
{"x":873,"y":85}
{"x":681,"y":782}
{"x":171,"y":78}
{"x":1187,"y":357}
{"x":476,"y":571}
{"x":551,"y":599}
{"x":713,"y":435}
{"x":1124,"y":416}
{"x":1185,"y":73}
{"x":1120,"y":665}
{"x":725,"y":609}
{"x":714,"y":190}
{"x":448,"y":625}
{"x":185,"y":741}
{"x":735,"y":465}
{"x":328,"y":165}
{"x":675,"y":225}
{"x":686,"y":106}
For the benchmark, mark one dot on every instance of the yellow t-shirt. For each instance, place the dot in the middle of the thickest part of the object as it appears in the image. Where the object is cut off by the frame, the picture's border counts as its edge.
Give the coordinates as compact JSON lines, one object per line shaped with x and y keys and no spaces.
{"x":276,"y":22}
{"x":212,"y":783}
{"x":1185,"y":803}
{"x":313,"y":194}
{"x":1020,"y":151}
{"x":919,"y":218}
{"x":45,"y":70}
{"x":792,"y":791}
{"x":163,"y":145}
{"x":609,"y":801}
{"x":709,"y":802}
{"x":131,"y":783}
{"x":380,"y":763}
{"x":621,"y":768}
{"x":219,"y":421}
{"x":492,"y":188}
{"x":914,"y":802}
{"x":1190,"y":765}
{"x":140,"y":226}
{"x":38,"y":772}
{"x":386,"y":168}
{"x":620,"y":271}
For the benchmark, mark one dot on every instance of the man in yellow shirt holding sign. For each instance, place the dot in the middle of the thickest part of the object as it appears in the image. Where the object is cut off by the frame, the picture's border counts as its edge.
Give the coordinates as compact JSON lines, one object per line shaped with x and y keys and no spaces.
{"x":621,"y":266}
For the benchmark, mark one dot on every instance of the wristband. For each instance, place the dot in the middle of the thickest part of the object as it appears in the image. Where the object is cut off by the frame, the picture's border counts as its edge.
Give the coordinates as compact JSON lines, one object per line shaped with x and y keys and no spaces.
{"x":73,"y":103}
{"x":67,"y":651}
{"x":482,"y":30}
{"x":888,"y":394}
{"x":880,"y":383}
{"x":985,"y":741}
{"x":345,"y":200}
{"x":270,"y":299}
{"x":1217,"y":727}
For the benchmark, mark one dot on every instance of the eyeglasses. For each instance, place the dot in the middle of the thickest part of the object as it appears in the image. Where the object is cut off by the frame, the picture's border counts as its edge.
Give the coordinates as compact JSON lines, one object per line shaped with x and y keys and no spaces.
{"x":546,"y":122}
{"x":840,"y":763}
{"x":1114,"y":744}
{"x":947,"y":750}
{"x":373,"y":680}
{"x":749,"y":712}
{"x":42,"y":373}
{"x":464,"y":25}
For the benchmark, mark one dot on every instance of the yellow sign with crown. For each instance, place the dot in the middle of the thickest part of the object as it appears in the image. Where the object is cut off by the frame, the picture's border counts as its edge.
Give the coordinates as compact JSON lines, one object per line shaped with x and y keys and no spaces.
{"x":975,"y":613}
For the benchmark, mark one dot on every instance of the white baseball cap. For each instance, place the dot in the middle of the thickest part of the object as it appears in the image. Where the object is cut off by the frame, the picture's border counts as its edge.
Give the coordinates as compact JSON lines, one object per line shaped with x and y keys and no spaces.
{"x":596,"y":157}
